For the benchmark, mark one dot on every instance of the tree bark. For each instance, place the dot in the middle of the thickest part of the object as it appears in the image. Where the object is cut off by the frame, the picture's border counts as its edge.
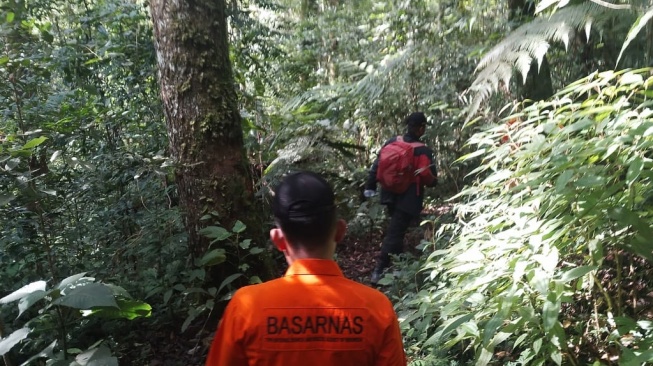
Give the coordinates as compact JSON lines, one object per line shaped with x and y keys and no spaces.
{"x":203,"y":122}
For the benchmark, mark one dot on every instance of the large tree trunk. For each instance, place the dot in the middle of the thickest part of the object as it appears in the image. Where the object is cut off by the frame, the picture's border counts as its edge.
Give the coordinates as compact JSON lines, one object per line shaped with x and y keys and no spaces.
{"x":200,"y":104}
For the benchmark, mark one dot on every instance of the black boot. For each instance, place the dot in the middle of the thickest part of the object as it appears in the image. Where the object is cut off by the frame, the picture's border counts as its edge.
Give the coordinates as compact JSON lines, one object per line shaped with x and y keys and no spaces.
{"x":377,"y":273}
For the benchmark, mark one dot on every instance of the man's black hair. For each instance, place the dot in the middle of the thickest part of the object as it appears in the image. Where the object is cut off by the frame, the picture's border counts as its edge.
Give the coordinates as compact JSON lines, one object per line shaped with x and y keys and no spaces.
{"x":415,"y":121}
{"x":304,"y":208}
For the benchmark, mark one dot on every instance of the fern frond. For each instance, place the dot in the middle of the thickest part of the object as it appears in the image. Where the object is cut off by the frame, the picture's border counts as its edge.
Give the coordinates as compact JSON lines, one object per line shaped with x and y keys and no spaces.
{"x":531,"y":42}
{"x":368,"y":85}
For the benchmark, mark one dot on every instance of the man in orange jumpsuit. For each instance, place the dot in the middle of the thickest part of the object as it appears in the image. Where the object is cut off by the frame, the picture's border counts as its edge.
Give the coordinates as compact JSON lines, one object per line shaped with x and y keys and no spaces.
{"x":313,"y":315}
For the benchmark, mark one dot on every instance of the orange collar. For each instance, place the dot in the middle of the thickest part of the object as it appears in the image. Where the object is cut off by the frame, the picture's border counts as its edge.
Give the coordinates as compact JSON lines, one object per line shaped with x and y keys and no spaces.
{"x":322,"y":267}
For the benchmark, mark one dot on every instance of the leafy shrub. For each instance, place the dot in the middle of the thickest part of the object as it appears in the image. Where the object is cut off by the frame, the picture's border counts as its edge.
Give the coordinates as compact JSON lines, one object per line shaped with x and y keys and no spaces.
{"x":62,"y":311}
{"x":566,"y":184}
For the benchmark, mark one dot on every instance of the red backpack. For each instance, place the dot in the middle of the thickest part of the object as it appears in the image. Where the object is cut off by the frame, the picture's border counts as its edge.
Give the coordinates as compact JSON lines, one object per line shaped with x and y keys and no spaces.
{"x":396,"y":170}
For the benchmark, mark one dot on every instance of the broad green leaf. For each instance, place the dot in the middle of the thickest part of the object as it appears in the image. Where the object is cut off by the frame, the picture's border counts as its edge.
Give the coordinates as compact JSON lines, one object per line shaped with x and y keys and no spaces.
{"x":239,"y":227}
{"x":245,"y":243}
{"x":100,"y":356}
{"x":537,"y":345}
{"x":11,"y":340}
{"x":215,"y":232}
{"x":563,"y":179}
{"x":47,"y":352}
{"x":639,"y":24}
{"x":228,"y":280}
{"x":256,"y":250}
{"x":574,"y":273}
{"x":70,"y":280}
{"x":29,"y":300}
{"x":127,"y":309}
{"x":23,"y":291}
{"x":10,"y":16}
{"x":87,"y":297}
{"x":34,"y":142}
{"x":634,"y":170}
{"x":214,"y":257}
{"x":386,"y":280}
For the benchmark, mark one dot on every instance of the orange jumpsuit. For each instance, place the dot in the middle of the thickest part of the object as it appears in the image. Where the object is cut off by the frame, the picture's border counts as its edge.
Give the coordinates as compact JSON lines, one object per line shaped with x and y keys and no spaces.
{"x":312,"y":316}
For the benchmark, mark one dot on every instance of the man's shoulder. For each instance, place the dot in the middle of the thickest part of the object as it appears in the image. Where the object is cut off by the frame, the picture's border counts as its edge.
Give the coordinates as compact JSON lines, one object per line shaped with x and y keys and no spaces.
{"x":368,"y":292}
{"x":252,"y":293}
{"x":423,"y":150}
{"x":390,"y":140}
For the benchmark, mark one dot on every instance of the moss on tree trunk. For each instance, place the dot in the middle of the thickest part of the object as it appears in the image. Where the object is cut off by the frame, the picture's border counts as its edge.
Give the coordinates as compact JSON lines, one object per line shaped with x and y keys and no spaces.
{"x":203,"y":122}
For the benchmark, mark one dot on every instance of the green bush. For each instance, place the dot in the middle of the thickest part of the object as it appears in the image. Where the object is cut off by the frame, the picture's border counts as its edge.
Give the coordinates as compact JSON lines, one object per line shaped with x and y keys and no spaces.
{"x":567,"y":183}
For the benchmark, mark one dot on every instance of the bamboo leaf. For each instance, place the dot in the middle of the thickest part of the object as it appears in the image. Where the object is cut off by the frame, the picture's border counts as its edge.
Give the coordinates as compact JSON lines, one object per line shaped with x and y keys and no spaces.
{"x":634,"y":170}
{"x":639,"y":24}
{"x":577,"y":272}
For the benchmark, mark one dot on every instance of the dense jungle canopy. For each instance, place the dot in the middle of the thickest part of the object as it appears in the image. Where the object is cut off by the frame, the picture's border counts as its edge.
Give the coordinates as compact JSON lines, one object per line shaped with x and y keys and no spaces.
{"x":139,"y":141}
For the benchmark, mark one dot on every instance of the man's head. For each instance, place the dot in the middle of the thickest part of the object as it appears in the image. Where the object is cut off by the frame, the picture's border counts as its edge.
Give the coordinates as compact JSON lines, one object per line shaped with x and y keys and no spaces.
{"x":305,"y":213}
{"x":416,"y":124}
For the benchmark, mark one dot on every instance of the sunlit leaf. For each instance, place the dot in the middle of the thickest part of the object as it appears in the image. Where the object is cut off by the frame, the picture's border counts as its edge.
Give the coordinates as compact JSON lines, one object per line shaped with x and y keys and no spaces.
{"x":34,"y":142}
{"x":634,"y":170}
{"x":639,"y":24}
{"x":29,"y":300}
{"x":24,"y":291}
{"x":11,"y":340}
{"x":127,"y":309}
{"x":577,"y":272}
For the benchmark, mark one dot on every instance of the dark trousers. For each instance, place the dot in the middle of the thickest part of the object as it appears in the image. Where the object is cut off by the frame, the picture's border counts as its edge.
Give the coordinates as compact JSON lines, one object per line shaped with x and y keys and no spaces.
{"x":393,"y":243}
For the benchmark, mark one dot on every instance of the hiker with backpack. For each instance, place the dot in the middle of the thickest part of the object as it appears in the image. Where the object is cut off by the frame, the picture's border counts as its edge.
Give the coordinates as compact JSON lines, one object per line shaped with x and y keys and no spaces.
{"x":403,"y":168}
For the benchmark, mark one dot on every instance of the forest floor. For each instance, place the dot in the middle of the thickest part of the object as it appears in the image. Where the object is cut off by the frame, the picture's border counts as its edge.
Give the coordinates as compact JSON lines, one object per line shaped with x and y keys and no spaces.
{"x":357,"y":254}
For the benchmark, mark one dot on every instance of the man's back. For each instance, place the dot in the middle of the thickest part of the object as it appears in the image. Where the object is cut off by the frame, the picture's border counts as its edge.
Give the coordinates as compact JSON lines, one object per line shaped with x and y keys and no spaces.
{"x":311,"y":316}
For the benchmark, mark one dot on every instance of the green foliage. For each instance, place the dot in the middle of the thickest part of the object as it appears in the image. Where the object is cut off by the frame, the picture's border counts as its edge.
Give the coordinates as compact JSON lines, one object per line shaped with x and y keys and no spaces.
{"x":63,"y":309}
{"x":565,"y":184}
{"x":569,"y":24}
